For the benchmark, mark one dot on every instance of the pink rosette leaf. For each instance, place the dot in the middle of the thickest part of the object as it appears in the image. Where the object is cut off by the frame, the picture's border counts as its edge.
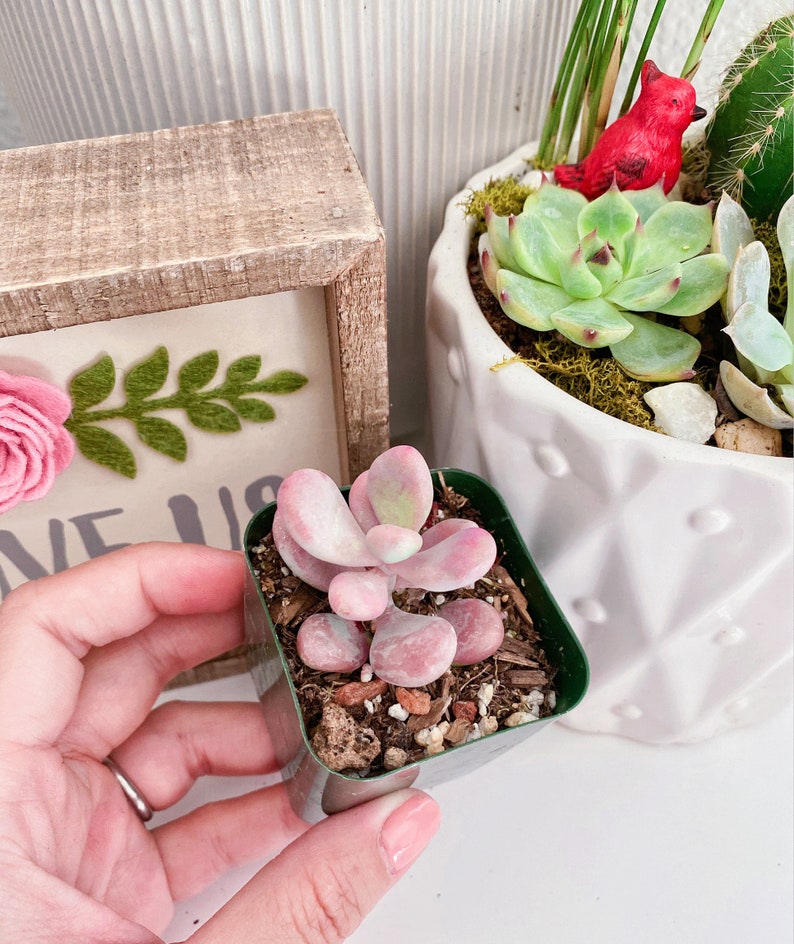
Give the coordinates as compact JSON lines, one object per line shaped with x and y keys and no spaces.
{"x":311,"y":570}
{"x":360,"y":504}
{"x":457,"y":561}
{"x":392,"y":544}
{"x":360,"y":595}
{"x":411,"y":650}
{"x":328,"y":643}
{"x":443,"y":529}
{"x":400,"y":487}
{"x":316,"y":516}
{"x":34,"y":445}
{"x":478,"y":627}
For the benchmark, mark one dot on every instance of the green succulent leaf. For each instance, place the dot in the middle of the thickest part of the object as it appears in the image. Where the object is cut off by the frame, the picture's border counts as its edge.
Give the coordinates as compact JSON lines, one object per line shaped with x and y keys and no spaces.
{"x":528,"y":301}
{"x":648,"y":292}
{"x":499,"y":239}
{"x":535,"y":249}
{"x":577,"y":279}
{"x":212,"y":417}
{"x":105,"y":448}
{"x":243,"y":370}
{"x":655,"y":352}
{"x":148,"y":377}
{"x":559,"y":208}
{"x":678,"y":231}
{"x":162,"y":436}
{"x":198,"y":371}
{"x":489,"y":264}
{"x":93,"y":385}
{"x":591,"y":323}
{"x":703,"y":281}
{"x":606,"y":268}
{"x":761,"y":338}
{"x":647,"y":202}
{"x":256,"y":411}
{"x":612,"y":216}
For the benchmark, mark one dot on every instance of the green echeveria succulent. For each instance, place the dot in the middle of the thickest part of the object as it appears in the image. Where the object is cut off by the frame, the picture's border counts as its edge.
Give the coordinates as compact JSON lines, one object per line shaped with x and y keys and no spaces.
{"x":598,"y":271}
{"x":764,"y":346}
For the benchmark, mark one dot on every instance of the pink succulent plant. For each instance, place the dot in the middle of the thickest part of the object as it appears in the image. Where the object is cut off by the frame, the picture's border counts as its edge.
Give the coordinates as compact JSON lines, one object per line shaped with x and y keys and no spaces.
{"x":360,"y":553}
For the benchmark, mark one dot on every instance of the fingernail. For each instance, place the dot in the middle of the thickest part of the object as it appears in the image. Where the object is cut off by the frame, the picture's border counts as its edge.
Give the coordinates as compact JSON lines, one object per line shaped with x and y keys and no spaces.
{"x":407,"y":831}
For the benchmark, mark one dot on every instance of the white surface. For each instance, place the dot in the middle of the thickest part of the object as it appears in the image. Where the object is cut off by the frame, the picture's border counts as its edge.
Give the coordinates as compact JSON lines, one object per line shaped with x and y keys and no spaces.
{"x":584,"y":839}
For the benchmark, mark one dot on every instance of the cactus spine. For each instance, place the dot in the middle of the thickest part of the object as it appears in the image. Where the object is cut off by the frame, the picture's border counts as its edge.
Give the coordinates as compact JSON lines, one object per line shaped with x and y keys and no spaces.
{"x":751,"y":134}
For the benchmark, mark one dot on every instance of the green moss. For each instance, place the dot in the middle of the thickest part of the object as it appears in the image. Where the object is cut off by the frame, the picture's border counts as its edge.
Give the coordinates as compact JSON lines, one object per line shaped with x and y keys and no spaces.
{"x":597,"y":381}
{"x":778,"y":285}
{"x":505,"y":195}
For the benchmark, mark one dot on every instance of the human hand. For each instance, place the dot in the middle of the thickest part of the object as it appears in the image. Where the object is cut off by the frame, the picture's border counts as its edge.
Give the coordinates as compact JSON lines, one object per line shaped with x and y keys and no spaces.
{"x":83,"y":656}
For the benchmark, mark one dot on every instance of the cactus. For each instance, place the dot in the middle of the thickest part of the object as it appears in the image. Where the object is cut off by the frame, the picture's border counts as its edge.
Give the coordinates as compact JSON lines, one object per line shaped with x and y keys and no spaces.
{"x":359,"y":554}
{"x":751,"y":134}
{"x":764,"y":346}
{"x":598,"y":271}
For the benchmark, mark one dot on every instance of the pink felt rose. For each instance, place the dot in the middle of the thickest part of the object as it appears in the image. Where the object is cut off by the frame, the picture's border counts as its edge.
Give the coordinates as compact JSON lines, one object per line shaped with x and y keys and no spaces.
{"x":34,"y":446}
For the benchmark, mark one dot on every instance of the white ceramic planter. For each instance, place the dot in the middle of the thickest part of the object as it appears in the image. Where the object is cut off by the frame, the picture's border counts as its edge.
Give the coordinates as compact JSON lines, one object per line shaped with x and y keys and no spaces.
{"x":673,"y":561}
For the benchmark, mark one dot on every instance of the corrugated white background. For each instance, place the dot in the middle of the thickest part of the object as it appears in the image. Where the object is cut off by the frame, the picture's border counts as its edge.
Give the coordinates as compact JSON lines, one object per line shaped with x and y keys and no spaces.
{"x":428,"y":91}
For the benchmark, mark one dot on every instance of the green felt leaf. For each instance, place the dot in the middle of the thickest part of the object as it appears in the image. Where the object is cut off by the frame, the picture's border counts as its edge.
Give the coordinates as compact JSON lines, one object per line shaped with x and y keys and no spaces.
{"x":283,"y":381}
{"x":655,"y":352}
{"x":256,"y":411}
{"x":243,"y":370}
{"x":93,"y":385}
{"x":105,"y":448}
{"x":212,"y":417}
{"x":198,"y":371}
{"x":148,"y":377}
{"x":162,"y":436}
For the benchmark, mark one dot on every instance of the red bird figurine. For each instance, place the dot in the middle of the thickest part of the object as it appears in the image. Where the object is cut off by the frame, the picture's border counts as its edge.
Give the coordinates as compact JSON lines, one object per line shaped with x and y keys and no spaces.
{"x":643,"y":146}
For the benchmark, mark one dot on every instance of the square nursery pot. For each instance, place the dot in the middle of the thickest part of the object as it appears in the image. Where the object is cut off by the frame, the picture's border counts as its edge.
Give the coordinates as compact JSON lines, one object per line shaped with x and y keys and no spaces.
{"x":681,"y":554}
{"x":314,"y":789}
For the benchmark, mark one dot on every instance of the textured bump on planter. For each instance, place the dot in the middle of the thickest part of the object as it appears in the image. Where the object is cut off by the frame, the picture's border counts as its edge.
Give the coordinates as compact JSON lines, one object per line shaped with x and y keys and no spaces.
{"x":674,"y":561}
{"x":314,"y":789}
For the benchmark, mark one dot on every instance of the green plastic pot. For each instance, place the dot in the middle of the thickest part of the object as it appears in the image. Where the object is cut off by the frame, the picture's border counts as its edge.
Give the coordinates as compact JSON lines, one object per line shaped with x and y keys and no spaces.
{"x":314,"y":789}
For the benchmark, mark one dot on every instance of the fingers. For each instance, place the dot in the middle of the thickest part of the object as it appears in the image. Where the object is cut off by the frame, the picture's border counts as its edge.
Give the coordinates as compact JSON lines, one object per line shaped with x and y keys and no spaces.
{"x":181,"y":741}
{"x":47,"y":626}
{"x":321,"y":887}
{"x":122,"y":680}
{"x":202,"y":845}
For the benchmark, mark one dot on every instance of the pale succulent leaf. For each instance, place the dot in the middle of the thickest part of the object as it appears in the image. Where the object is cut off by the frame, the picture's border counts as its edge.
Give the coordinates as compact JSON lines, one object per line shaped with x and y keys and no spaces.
{"x":760,"y":337}
{"x":499,"y":239}
{"x":749,"y":279}
{"x":785,"y":236}
{"x":529,"y":301}
{"x":577,"y":279}
{"x":400,"y":488}
{"x":654,"y":352}
{"x":559,"y":208}
{"x":786,"y":393}
{"x":703,"y":281}
{"x":534,"y":248}
{"x":752,"y":400}
{"x":732,"y":228}
{"x":489,"y":265}
{"x":591,"y":323}
{"x":612,"y":216}
{"x":648,"y":292}
{"x":678,"y":231}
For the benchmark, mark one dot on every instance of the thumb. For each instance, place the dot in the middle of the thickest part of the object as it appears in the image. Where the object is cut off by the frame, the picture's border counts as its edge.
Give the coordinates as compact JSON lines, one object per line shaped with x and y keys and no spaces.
{"x":318,"y":890}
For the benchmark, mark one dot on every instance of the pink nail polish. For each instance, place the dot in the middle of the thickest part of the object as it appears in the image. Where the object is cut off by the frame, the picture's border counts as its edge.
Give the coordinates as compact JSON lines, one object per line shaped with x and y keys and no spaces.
{"x":407,"y":831}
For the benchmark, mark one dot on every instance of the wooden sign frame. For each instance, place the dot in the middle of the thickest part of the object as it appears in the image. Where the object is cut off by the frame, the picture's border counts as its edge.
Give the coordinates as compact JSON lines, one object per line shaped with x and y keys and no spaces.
{"x":115,"y":227}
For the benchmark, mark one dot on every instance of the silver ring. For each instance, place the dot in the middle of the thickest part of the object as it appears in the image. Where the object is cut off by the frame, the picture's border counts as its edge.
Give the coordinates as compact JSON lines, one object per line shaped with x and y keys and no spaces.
{"x":137,"y":800}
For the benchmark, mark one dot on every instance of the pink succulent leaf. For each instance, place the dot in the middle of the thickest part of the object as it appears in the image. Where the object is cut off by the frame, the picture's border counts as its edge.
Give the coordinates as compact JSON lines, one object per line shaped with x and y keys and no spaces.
{"x":360,"y":504}
{"x":328,"y":643}
{"x":400,"y":487}
{"x":34,"y":445}
{"x":393,"y":544}
{"x":457,"y":561}
{"x":443,"y":529}
{"x":478,"y":626}
{"x":317,"y":518}
{"x":360,"y":595}
{"x":410,"y":649}
{"x":311,"y":570}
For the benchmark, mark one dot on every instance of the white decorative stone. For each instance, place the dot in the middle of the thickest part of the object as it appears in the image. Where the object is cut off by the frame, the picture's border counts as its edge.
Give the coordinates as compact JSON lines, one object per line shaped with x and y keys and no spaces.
{"x":674,"y":540}
{"x":684,"y":411}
